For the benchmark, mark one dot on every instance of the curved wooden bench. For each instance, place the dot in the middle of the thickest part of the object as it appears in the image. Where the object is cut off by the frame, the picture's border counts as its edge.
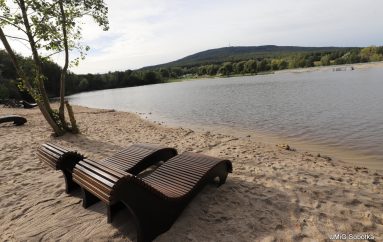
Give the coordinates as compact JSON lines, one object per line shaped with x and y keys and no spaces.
{"x":155,"y":201}
{"x":97,"y":181}
{"x":134,"y":159}
{"x":16,"y":119}
{"x":138,"y":157}
{"x":59,"y":158}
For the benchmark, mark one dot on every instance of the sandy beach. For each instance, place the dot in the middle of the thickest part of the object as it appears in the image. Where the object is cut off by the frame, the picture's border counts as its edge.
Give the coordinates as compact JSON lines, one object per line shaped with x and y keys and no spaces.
{"x":356,"y":66}
{"x":273,"y":194}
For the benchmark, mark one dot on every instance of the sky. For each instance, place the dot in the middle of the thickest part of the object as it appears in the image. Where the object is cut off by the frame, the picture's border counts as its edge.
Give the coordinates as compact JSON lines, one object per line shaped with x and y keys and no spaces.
{"x":149,"y":32}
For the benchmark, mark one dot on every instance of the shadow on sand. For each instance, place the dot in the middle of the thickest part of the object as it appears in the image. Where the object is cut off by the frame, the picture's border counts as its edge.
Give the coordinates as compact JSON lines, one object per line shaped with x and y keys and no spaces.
{"x":237,"y":207}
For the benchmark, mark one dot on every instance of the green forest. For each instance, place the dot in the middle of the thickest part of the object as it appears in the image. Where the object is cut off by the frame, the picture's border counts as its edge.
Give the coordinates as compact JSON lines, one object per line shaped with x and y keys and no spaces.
{"x":225,"y":62}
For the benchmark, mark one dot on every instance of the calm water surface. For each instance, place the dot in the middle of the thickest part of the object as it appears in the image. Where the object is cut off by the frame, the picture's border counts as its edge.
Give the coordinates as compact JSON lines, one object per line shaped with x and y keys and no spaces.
{"x":340,"y":111}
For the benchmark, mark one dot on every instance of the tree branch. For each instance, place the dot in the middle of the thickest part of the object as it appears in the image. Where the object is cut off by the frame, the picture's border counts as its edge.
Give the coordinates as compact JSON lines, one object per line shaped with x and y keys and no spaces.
{"x":14,"y":37}
{"x":55,"y":53}
{"x":38,"y":40}
{"x":14,"y":25}
{"x":45,"y":17}
{"x":14,"y":60}
{"x":31,"y":13}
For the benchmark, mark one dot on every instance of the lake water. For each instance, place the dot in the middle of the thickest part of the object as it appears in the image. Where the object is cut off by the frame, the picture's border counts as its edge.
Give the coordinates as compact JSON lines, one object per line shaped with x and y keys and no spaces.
{"x":337,"y":112}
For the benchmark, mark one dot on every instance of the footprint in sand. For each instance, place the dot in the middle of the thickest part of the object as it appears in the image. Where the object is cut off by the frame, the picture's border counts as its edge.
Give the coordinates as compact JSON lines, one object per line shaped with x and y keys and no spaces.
{"x":354,"y":202}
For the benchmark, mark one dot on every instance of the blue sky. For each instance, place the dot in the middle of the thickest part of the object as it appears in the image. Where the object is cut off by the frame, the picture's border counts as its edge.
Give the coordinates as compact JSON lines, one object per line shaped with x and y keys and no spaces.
{"x":148,"y":32}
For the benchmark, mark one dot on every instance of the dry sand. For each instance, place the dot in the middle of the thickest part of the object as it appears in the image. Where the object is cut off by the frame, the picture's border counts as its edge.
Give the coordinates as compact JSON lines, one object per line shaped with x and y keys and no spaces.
{"x":272,"y":195}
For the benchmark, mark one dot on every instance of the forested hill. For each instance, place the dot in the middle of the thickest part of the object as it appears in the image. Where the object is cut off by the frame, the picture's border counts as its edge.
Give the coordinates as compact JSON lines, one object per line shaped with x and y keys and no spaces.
{"x":220,"y":55}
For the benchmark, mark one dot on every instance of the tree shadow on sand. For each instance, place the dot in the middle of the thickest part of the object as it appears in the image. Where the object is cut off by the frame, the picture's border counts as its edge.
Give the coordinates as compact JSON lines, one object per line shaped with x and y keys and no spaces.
{"x":91,"y":146}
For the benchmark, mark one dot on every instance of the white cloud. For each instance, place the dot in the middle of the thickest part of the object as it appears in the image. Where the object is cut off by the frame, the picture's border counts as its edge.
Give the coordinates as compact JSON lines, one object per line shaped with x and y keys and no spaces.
{"x":148,"y":32}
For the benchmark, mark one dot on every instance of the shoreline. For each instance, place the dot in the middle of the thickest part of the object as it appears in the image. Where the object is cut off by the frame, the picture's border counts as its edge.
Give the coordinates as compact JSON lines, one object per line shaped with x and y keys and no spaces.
{"x":357,"y":66}
{"x":273,"y":193}
{"x":337,"y":154}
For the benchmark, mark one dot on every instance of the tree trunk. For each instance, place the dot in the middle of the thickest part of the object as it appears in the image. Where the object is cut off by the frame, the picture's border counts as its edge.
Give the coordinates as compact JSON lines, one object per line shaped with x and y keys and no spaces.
{"x":65,"y":68}
{"x":75,"y":129}
{"x":39,"y":74}
{"x":37,"y":88}
{"x":28,"y":86}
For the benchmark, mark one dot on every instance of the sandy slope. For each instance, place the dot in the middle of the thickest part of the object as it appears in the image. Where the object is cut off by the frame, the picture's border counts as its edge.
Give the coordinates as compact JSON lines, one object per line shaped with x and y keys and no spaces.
{"x":273,"y":194}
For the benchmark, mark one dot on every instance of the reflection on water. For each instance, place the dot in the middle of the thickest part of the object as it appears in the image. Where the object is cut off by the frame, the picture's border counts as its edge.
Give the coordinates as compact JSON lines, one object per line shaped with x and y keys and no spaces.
{"x":333,"y":109}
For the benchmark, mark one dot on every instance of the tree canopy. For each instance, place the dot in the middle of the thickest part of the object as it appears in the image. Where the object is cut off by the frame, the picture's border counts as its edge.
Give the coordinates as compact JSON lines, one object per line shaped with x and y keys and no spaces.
{"x":48,"y":27}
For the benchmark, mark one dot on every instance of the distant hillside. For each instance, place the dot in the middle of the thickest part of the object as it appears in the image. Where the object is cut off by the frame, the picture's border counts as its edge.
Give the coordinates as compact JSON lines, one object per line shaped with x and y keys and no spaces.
{"x":220,"y":55}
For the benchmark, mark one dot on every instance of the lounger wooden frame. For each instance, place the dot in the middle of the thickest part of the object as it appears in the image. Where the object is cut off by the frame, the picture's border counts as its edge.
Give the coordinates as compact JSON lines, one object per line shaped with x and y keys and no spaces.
{"x":156,"y":200}
{"x":134,"y":159}
{"x":16,"y":119}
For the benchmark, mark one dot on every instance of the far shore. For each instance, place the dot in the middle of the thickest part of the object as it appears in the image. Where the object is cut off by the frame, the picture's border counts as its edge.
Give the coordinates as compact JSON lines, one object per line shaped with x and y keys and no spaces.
{"x":296,"y":70}
{"x":357,"y":66}
{"x":273,"y":194}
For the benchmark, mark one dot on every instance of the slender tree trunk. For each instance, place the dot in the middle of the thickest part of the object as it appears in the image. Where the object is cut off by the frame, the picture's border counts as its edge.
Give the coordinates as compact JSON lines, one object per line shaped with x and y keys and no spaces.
{"x":65,"y":68}
{"x":75,"y":129}
{"x":40,"y":80}
{"x":27,"y":84}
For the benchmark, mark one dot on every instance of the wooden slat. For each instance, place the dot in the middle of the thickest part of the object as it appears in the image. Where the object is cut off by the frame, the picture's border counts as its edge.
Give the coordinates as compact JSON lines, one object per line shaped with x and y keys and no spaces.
{"x":175,"y":163}
{"x":192,"y":168}
{"x":161,"y":186}
{"x":128,"y":158}
{"x":107,"y":168}
{"x":133,"y":152}
{"x":48,"y":161}
{"x":185,"y":172}
{"x":113,"y":166}
{"x":53,"y":154}
{"x":96,"y":183}
{"x":98,"y":170}
{"x":175,"y":185}
{"x":94,"y":175}
{"x":180,"y":188}
{"x":54,"y":148}
{"x":91,"y":189}
{"x":49,"y":156}
{"x":126,"y":161}
{"x":181,"y":174}
{"x":173,"y":177}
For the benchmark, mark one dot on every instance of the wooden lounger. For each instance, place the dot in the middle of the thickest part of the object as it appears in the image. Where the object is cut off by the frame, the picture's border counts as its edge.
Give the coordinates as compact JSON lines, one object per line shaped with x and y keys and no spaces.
{"x":155,"y":200}
{"x":133,"y":159}
{"x":29,"y":105}
{"x":17,"y":120}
